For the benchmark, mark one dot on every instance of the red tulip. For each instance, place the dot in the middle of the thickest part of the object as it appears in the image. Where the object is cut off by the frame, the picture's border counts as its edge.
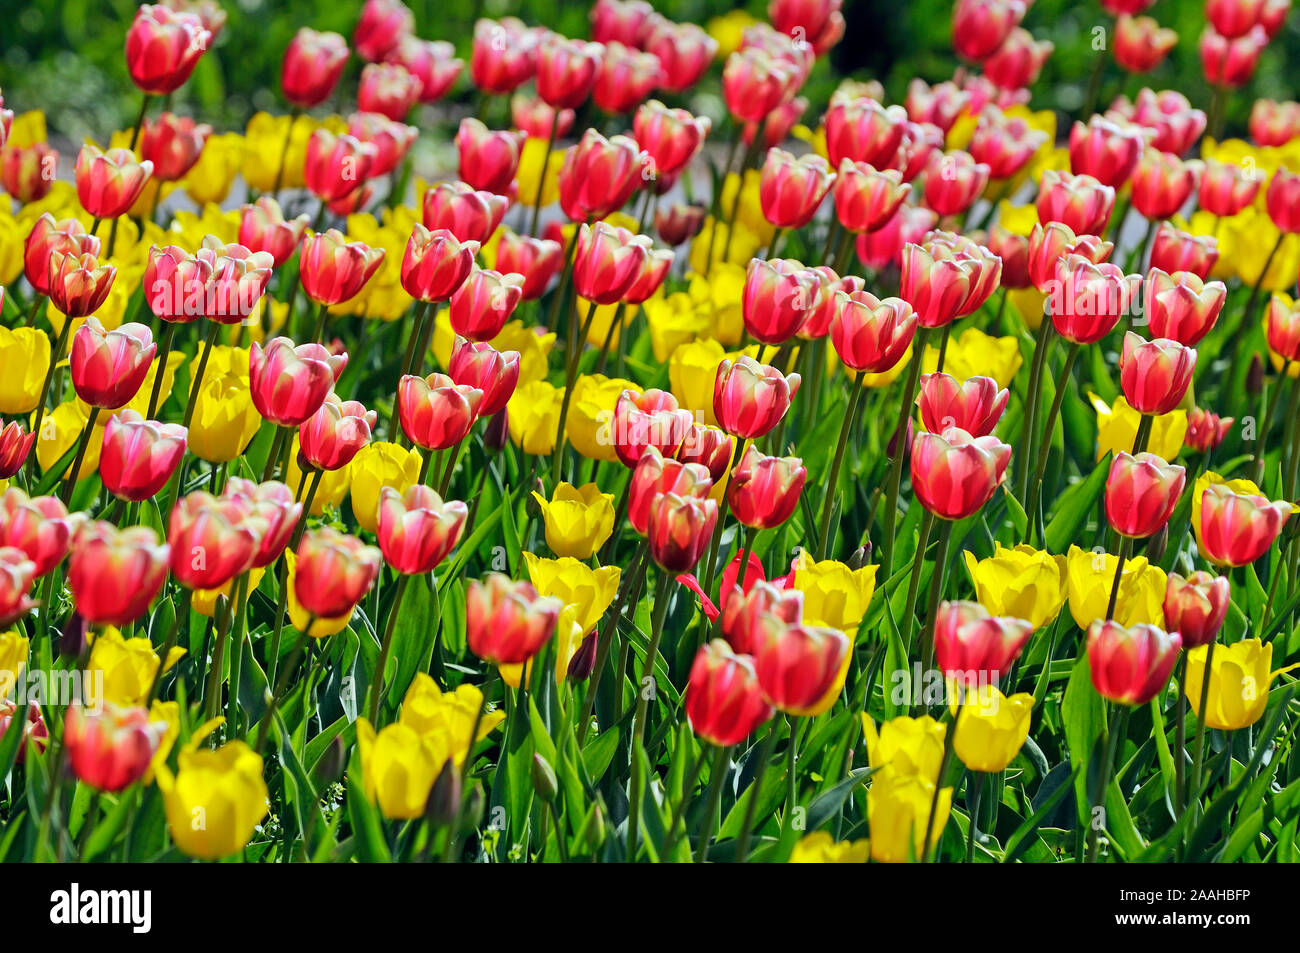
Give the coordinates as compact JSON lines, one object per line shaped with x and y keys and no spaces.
{"x":239,"y":279}
{"x":1174,"y":250}
{"x":1154,"y":374}
{"x":1167,"y":119}
{"x":109,"y":367}
{"x":1231,"y":62}
{"x":1005,"y":144}
{"x":954,"y":180}
{"x":1162,"y":183}
{"x":468,"y":214}
{"x":212,"y":539}
{"x":383,"y":25}
{"x":1106,"y":150}
{"x":885,"y":245}
{"x":313,"y":63}
{"x":938,"y":105}
{"x":432,"y":62}
{"x":110,"y":749}
{"x":48,"y":237}
{"x":392,"y":140}
{"x":162,"y":48}
{"x":1079,"y":201}
{"x":263,"y":228}
{"x":1206,"y":430}
{"x":1130,"y":666}
{"x":333,"y":572}
{"x":536,"y":120}
{"x":15,"y":445}
{"x":1273,"y":123}
{"x":710,"y":447}
{"x":678,"y":223}
{"x":114,"y":574}
{"x":28,"y":172}
{"x":723,"y":702}
{"x":1017,"y":62}
{"x":1141,"y":493}
{"x":1283,"y":200}
{"x":417,"y":530}
{"x":1196,"y":607}
{"x":974,"y":647}
{"x":826,"y":301}
{"x":332,"y":436}
{"x":743,"y":609}
{"x":654,"y":476}
{"x":598,"y":176}
{"x":435,"y":263}
{"x":974,"y":405}
{"x":1053,"y":241}
{"x":678,"y":530}
{"x":41,"y":528}
{"x":538,"y":260}
{"x":625,"y":77}
{"x":651,"y":418}
{"x":506,"y":621}
{"x":872,"y":335}
{"x":754,"y":83}
{"x":481,"y":306}
{"x":504,"y":55}
{"x":16,"y":575}
{"x":566,"y":70}
{"x":1282,"y":328}
{"x":954,"y":474}
{"x":79,"y":285}
{"x":749,"y":398}
{"x":791,"y":190}
{"x":479,"y":366}
{"x":1233,"y":18}
{"x":335,"y":270}
{"x":173,"y":144}
{"x":866,"y":199}
{"x":336,"y":166}
{"x":388,"y":89}
{"x":685,"y":51}
{"x":1238,"y":528}
{"x":139,"y":456}
{"x":980,"y":27}
{"x":654,"y":271}
{"x":290,"y":383}
{"x":1141,"y":44}
{"x":1227,"y":188}
{"x":32,"y":725}
{"x":1088,"y":299}
{"x":435,"y":411}
{"x":608,"y":262}
{"x":626,"y":21}
{"x":671,"y":137}
{"x":275,"y":505}
{"x":797,"y":664}
{"x":108,"y":183}
{"x":489,"y":158}
{"x":779,"y":296}
{"x":1182,"y":306}
{"x":764,"y":491}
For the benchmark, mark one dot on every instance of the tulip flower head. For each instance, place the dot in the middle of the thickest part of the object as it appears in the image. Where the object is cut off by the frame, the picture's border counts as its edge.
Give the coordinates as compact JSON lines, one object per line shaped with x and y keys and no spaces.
{"x":724,"y":703}
{"x":313,"y":63}
{"x":1235,"y":529}
{"x":679,"y":529}
{"x":954,"y":473}
{"x":1195,"y":607}
{"x":108,"y":183}
{"x":108,"y":367}
{"x":335,"y":270}
{"x":749,"y":398}
{"x":333,"y":571}
{"x":111,"y":749}
{"x":974,"y":405}
{"x":654,"y":476}
{"x":417,"y":529}
{"x":1131,"y":665}
{"x":1155,"y":374}
{"x":506,"y":621}
{"x":435,"y":411}
{"x":290,"y":383}
{"x":1141,"y":493}
{"x":139,"y":456}
{"x":162,"y":48}
{"x":489,"y":158}
{"x":114,"y":574}
{"x":764,"y":491}
{"x":798,"y":665}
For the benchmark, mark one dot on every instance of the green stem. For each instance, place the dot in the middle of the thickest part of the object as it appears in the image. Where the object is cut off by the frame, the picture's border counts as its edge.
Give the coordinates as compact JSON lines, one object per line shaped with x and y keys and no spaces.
{"x":643,"y":696}
{"x":717,"y":775}
{"x":196,"y":385}
{"x":385,"y":649}
{"x":164,"y":349}
{"x":1198,"y":763}
{"x":1045,"y":450}
{"x":755,"y":792}
{"x":71,"y":481}
{"x":832,"y":480}
{"x":896,"y":460}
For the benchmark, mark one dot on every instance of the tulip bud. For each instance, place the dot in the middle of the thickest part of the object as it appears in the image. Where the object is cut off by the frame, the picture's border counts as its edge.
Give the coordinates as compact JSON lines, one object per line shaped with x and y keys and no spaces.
{"x":15,"y":445}
{"x":1079,"y":201}
{"x":655,"y":476}
{"x":974,"y":405}
{"x":417,"y":530}
{"x":114,"y":574}
{"x":1141,"y":493}
{"x":162,"y":48}
{"x":685,"y":51}
{"x":1155,"y":374}
{"x":333,"y":572}
{"x":435,"y":412}
{"x":608,"y":262}
{"x":506,"y":621}
{"x":483,"y":304}
{"x":724,"y":703}
{"x":598,"y":176}
{"x":312,"y":65}
{"x":1131,"y":665}
{"x":139,"y":456}
{"x":111,"y":749}
{"x":791,"y":190}
{"x":764,"y":491}
{"x":749,"y":398}
{"x":583,"y":662}
{"x":798,"y":665}
{"x":973,"y":646}
{"x":1237,"y":528}
{"x":954,"y":474}
{"x":679,"y":529}
{"x":1195,"y":607}
{"x":290,"y":383}
{"x":1205,"y":429}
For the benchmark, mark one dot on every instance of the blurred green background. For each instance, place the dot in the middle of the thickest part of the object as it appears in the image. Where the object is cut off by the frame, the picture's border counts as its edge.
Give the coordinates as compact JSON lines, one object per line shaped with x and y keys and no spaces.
{"x":65,"y":56}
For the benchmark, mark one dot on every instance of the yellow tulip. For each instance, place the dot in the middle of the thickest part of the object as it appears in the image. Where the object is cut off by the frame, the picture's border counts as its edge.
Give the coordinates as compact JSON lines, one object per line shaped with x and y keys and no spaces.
{"x":1240,"y":486}
{"x":204,"y":601}
{"x":1023,"y":583}
{"x":904,"y":746}
{"x":728,"y":30}
{"x":1117,"y":426}
{"x":398,"y":768}
{"x":534,"y":345}
{"x":211,"y":219}
{"x":25,"y":354}
{"x":298,"y":616}
{"x":127,"y":666}
{"x":574,"y":583}
{"x":534,"y":416}
{"x":675,"y":323}
{"x":720,"y":298}
{"x":1089,"y":577}
{"x":13,"y":242}
{"x":1240,"y":676}
{"x":169,"y":713}
{"x":13,"y":658}
{"x":898,"y":812}
{"x":265,"y":135}
{"x":1030,"y":304}
{"x":530,"y":172}
{"x":692,"y":369}
{"x":225,"y":420}
{"x":991,"y":728}
{"x":211,"y":177}
{"x":215,"y":800}
{"x":591,"y":412}
{"x":578,"y":519}
{"x":833,"y":594}
{"x":974,"y":353}
{"x":376,"y":466}
{"x":60,"y":430}
{"x":428,"y":710}
{"x":820,"y":847}
{"x":743,"y":246}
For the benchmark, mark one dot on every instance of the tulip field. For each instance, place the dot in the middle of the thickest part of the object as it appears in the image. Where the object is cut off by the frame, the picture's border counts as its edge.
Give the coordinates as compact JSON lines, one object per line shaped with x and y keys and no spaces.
{"x":664,"y":431}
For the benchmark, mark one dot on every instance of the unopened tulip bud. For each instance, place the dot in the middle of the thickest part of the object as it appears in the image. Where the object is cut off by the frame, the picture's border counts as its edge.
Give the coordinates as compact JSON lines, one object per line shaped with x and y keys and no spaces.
{"x":1195,"y":607}
{"x":954,"y":474}
{"x":1141,"y":493}
{"x":1131,"y":665}
{"x":679,"y":529}
{"x":975,"y":647}
{"x":333,"y":572}
{"x":1154,"y":375}
{"x":764,"y":491}
{"x":506,"y":621}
